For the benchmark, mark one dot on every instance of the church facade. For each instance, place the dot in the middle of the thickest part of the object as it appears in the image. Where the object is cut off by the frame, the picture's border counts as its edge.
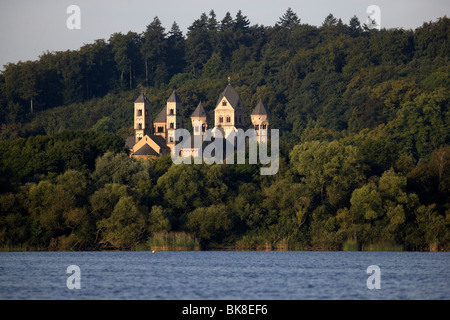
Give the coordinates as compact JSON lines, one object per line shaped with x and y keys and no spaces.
{"x":157,"y":138}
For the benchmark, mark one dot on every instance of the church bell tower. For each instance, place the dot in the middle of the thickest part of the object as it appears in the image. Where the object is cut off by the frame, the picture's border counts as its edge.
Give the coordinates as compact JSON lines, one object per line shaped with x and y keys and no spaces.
{"x":142,"y":124}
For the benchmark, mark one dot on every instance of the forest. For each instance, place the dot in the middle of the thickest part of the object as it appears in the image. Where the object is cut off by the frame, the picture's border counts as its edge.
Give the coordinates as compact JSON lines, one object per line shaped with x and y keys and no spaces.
{"x":363,"y":116}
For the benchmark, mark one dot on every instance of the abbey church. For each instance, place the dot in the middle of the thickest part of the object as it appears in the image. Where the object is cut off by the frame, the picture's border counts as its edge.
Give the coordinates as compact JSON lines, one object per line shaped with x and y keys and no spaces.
{"x":156,"y":139}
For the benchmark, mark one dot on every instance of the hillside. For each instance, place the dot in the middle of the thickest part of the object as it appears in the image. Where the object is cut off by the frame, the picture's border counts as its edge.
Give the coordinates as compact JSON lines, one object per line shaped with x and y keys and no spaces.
{"x":363,"y":115}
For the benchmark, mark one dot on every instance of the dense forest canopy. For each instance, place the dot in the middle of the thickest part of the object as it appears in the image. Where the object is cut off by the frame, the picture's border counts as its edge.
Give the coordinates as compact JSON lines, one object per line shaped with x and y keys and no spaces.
{"x":365,"y":138}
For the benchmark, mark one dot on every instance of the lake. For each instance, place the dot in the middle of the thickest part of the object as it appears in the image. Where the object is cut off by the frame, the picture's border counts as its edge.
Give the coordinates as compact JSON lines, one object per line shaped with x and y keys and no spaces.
{"x":228,"y":275}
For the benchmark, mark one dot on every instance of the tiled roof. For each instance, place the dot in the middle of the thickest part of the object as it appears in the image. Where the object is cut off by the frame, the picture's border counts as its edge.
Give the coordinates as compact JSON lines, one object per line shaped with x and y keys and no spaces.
{"x":174,"y":97}
{"x":146,"y":150}
{"x":259,"y":109}
{"x":142,"y":98}
{"x":130,"y":142}
{"x":232,"y":96}
{"x":199,"y":111}
{"x":162,"y":115}
{"x":160,"y":141}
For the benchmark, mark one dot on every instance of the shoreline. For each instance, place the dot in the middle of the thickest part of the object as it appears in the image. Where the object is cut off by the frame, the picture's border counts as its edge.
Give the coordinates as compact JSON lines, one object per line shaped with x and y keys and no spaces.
{"x":224,"y":249}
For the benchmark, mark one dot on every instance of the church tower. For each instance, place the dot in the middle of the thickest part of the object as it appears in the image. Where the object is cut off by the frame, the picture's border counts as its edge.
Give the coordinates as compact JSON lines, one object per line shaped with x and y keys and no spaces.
{"x":229,"y":111}
{"x":198,"y":118}
{"x":142,"y":124}
{"x":174,"y":119}
{"x":260,"y":121}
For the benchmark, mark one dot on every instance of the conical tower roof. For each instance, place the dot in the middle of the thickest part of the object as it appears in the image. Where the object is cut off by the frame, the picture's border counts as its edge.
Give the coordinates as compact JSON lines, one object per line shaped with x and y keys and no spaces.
{"x":199,"y":111}
{"x":142,"y":98}
{"x":174,"y":97}
{"x":259,"y":109}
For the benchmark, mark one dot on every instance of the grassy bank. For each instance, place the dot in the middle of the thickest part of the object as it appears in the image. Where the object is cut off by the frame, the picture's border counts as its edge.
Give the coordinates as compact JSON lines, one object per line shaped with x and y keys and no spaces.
{"x":377,"y":246}
{"x":173,"y":241}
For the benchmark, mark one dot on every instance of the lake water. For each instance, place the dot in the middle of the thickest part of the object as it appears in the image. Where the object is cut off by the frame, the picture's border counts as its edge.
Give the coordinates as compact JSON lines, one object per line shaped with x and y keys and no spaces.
{"x":229,"y":275}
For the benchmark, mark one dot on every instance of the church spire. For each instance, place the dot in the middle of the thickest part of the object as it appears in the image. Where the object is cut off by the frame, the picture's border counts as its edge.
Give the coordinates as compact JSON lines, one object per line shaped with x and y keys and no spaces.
{"x":260,"y":121}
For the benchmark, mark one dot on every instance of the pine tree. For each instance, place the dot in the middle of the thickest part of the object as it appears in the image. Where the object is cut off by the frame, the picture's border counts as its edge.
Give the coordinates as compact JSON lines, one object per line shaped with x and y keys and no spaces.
{"x":154,"y":46}
{"x":227,"y":22}
{"x":330,"y":20}
{"x":289,"y":19}
{"x":176,"y":52}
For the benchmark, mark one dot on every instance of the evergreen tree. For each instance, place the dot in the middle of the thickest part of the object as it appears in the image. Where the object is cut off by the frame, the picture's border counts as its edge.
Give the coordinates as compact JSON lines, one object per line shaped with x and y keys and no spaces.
{"x":241,"y":22}
{"x":198,"y":45}
{"x":212,"y":21}
{"x":289,"y":19}
{"x":329,"y":21}
{"x":126,"y":49}
{"x":175,"y":50}
{"x":154,"y":47}
{"x":354,"y":26}
{"x":227,"y":22}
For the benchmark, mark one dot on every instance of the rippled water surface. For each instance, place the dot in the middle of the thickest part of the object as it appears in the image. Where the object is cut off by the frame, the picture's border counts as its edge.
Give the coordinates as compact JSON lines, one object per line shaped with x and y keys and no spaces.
{"x":230,"y":275}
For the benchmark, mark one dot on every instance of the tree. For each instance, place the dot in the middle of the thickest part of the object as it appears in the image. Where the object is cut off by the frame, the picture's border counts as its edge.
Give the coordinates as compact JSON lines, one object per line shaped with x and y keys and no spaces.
{"x":422,"y":124}
{"x":216,"y":190}
{"x":213,"y":68}
{"x":240,"y":31}
{"x":29,"y":82}
{"x":380,"y":210}
{"x":58,"y":212}
{"x":69,"y":65}
{"x":287,"y":206}
{"x":379,"y":154}
{"x":154,"y":46}
{"x":433,"y":227}
{"x":209,"y":224}
{"x":354,"y":26}
{"x":98,"y":68}
{"x":289,"y":19}
{"x":247,"y":206}
{"x":126,"y":226}
{"x":176,"y":50}
{"x":212,"y":21}
{"x":103,"y":200}
{"x":241,"y":22}
{"x":157,"y":220}
{"x":224,"y":43}
{"x":431,"y":180}
{"x":329,"y":21}
{"x":14,"y":220}
{"x":126,"y":49}
{"x":198,"y":44}
{"x":105,"y":124}
{"x":182,"y":188}
{"x":227,"y":22}
{"x":330,"y":170}
{"x":119,"y":168}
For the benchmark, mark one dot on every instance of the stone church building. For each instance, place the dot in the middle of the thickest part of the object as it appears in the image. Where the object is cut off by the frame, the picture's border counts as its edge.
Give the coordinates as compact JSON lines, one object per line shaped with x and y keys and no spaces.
{"x":156,"y":139}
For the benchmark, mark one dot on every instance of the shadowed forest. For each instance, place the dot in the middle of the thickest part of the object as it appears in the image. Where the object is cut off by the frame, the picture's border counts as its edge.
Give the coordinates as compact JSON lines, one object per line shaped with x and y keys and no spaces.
{"x":364,"y":122}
